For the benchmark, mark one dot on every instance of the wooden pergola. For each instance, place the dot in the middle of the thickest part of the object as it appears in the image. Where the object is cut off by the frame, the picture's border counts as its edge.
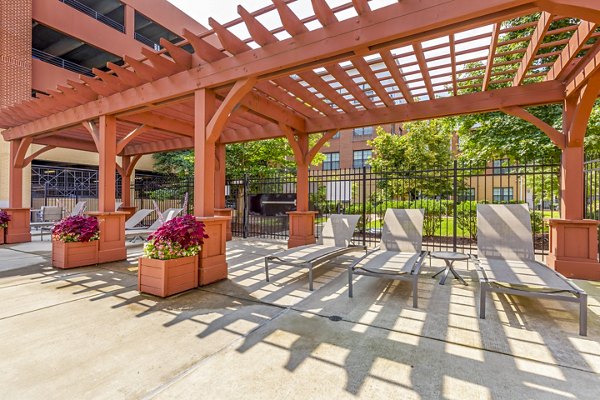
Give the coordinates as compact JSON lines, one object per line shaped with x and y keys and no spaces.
{"x":318,"y":70}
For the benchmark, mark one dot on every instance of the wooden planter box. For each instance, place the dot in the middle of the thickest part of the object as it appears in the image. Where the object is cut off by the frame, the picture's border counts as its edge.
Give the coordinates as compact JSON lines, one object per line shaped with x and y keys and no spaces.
{"x":74,"y":254}
{"x":1,"y":235}
{"x":167,"y":277}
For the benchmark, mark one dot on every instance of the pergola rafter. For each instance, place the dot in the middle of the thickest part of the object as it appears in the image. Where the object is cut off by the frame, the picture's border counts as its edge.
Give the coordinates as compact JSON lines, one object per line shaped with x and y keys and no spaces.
{"x":357,"y":64}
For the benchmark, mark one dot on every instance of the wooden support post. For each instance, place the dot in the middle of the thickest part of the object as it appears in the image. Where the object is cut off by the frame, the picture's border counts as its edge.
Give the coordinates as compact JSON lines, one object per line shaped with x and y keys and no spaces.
{"x":573,"y":239}
{"x":220,"y":205}
{"x":212,"y":262}
{"x":126,"y":167}
{"x":302,"y":221}
{"x":111,"y":246}
{"x":18,"y":230}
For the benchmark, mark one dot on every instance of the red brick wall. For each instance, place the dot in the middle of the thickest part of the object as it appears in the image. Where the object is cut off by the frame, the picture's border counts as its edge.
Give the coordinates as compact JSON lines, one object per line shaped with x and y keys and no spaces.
{"x":15,"y":51}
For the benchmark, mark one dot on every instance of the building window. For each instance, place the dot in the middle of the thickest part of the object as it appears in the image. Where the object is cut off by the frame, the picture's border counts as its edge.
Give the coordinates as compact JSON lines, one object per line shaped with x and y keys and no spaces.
{"x":500,"y":167}
{"x":466,"y":194}
{"x":361,"y":133}
{"x":332,"y":161}
{"x":502,"y":194}
{"x":336,"y":136}
{"x":361,"y":157}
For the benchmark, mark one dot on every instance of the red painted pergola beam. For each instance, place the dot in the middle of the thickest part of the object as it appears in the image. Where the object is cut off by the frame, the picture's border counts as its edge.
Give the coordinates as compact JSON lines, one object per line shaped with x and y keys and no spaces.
{"x":380,"y":29}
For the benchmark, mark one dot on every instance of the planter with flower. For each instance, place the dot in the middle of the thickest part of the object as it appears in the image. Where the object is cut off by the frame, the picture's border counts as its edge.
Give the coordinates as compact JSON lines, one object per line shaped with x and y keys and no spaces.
{"x":170,"y":261}
{"x":4,"y":218}
{"x":75,"y":242}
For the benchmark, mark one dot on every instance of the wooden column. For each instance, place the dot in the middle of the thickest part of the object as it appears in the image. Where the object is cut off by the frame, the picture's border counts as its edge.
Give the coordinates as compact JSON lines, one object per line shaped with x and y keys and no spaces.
{"x":18,"y":230}
{"x":302,"y":221}
{"x":220,"y":209}
{"x":127,"y":171}
{"x":573,"y":239}
{"x":111,"y":246}
{"x":212,"y":262}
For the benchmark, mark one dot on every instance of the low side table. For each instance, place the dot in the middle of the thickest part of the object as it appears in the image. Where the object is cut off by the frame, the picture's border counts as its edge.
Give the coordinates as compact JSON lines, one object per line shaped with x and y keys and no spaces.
{"x":449,"y":257}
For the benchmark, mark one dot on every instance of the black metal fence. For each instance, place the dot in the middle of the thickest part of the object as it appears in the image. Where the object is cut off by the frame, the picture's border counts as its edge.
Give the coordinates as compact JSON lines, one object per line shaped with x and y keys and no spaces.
{"x":448,"y":195}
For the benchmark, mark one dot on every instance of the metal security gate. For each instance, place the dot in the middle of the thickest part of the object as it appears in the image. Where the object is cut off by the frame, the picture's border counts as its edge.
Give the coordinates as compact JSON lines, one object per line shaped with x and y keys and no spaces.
{"x":261,"y":203}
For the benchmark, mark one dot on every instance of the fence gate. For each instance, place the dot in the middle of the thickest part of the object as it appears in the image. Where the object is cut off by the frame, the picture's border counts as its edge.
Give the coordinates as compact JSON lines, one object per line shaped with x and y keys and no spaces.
{"x":261,"y":203}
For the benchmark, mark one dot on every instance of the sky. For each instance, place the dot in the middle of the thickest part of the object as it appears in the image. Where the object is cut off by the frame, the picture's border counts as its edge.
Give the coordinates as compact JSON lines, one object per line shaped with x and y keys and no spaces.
{"x":221,"y":10}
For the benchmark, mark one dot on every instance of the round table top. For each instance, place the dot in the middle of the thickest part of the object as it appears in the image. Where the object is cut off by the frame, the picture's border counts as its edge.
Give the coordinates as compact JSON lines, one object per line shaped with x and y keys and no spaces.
{"x":449,"y":255}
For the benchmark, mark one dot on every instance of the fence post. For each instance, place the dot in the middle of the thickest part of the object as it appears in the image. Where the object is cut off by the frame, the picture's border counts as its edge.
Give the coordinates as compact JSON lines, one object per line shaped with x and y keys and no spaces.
{"x":454,"y":205}
{"x":245,"y":213}
{"x":364,"y":207}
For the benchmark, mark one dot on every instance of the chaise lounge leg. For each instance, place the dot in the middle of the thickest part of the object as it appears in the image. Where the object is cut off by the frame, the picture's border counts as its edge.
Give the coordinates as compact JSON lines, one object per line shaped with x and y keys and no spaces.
{"x":267,"y":269}
{"x":415,"y":291}
{"x":482,"y":294}
{"x":310,"y":277}
{"x":583,"y":314}
{"x":350,"y":282}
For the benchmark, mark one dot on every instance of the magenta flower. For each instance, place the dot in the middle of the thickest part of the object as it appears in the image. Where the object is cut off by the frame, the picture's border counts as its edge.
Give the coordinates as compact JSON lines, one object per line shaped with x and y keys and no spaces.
{"x":76,"y":229}
{"x":4,"y":218}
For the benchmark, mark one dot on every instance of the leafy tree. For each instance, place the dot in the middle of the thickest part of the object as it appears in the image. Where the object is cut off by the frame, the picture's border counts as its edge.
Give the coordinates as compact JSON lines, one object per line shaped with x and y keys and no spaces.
{"x":254,"y":158}
{"x":425,"y":146}
{"x":496,"y":135}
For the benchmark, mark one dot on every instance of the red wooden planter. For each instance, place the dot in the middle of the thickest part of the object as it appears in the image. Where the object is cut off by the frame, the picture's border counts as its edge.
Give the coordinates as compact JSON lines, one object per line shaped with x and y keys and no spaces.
{"x":74,"y":254}
{"x":167,"y":277}
{"x":1,"y":235}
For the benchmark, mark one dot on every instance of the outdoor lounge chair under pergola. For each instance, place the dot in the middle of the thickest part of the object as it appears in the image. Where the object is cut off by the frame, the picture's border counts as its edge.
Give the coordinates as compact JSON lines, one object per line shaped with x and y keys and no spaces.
{"x":318,"y":70}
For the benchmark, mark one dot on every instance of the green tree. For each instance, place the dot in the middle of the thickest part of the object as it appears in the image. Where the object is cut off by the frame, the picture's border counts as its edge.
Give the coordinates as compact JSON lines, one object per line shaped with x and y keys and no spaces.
{"x":425,"y":146}
{"x":258,"y":157}
{"x":497,"y":135}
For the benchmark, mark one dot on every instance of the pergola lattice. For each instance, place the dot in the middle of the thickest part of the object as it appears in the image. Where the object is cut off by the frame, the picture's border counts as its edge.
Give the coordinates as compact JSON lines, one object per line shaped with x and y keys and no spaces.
{"x":299,"y":67}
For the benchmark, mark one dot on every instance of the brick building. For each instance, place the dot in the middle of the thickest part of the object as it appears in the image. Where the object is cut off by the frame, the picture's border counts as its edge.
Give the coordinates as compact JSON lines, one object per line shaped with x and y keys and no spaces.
{"x":349,"y":148}
{"x":45,"y":43}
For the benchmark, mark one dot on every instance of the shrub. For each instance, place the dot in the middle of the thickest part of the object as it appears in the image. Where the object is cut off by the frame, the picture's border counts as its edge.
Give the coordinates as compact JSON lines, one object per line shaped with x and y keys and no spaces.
{"x":179,"y":237}
{"x":4,"y":218}
{"x":434,"y":211}
{"x":466,"y":218}
{"x":77,"y":228}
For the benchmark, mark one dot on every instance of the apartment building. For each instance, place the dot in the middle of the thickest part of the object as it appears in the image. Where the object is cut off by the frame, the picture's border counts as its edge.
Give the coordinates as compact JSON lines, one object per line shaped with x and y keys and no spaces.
{"x":350,"y":148}
{"x":46,"y":43}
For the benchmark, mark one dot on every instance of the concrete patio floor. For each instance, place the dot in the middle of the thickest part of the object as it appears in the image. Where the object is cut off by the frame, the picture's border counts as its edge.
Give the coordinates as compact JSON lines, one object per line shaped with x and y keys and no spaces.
{"x":87,"y":333}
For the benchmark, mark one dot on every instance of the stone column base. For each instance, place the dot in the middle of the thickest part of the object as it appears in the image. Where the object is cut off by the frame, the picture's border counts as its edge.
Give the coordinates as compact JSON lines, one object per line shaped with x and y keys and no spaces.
{"x":111,"y":246}
{"x":212,"y":263}
{"x":574,"y":248}
{"x":226,"y":212}
{"x":302,"y":228}
{"x":18,"y":229}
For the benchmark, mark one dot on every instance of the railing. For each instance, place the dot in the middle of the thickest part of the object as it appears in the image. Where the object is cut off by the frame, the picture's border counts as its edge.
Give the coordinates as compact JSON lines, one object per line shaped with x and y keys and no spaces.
{"x":94,"y":14}
{"x":148,"y":42}
{"x":60,"y":62}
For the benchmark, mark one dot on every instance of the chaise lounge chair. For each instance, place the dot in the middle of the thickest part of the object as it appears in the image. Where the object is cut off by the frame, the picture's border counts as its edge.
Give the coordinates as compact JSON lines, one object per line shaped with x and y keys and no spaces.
{"x":506,"y":262}
{"x":334,"y":241}
{"x":137,"y":218}
{"x":168,"y":215}
{"x":399,"y":256}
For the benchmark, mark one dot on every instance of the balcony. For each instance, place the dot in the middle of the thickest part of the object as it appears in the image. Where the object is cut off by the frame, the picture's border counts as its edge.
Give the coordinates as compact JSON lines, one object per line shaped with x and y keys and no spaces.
{"x":94,"y":14}
{"x":60,"y":62}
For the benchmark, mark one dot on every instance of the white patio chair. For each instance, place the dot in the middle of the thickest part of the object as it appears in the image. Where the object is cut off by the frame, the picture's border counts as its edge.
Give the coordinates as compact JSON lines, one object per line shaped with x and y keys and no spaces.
{"x":335,"y":240}
{"x":506,"y":262}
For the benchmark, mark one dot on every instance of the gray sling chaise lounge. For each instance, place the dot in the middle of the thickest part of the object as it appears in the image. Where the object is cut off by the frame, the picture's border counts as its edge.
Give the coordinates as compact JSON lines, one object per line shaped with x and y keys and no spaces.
{"x":137,"y":218}
{"x":168,"y":215}
{"x":506,"y":262}
{"x":334,"y":241}
{"x":399,"y":256}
